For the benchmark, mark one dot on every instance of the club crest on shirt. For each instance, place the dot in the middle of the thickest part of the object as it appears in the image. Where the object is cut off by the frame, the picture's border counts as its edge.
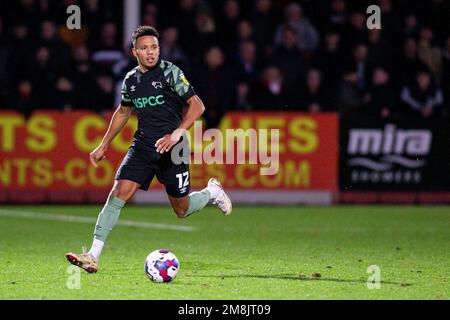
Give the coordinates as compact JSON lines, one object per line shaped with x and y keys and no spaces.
{"x":183,"y":78}
{"x":157,"y":84}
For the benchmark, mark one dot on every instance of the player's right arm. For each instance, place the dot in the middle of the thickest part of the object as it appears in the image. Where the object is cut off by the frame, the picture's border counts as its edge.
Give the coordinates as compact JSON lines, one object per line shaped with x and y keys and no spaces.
{"x":118,"y":121}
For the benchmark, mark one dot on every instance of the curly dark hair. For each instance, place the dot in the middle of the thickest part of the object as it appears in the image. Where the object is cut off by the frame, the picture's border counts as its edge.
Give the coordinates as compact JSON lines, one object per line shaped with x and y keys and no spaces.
{"x":143,"y":31}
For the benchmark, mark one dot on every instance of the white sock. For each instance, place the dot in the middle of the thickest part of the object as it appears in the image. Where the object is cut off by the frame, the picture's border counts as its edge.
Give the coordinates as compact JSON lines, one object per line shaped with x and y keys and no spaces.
{"x":213,"y":191}
{"x":96,"y":249}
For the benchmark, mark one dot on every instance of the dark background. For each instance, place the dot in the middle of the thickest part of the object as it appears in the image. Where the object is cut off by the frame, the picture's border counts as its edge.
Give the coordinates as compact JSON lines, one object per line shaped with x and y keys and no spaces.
{"x":239,"y":55}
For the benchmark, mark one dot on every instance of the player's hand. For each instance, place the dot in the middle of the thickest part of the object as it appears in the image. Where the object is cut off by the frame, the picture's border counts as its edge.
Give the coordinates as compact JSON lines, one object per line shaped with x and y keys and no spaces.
{"x":168,"y":141}
{"x":97,"y":155}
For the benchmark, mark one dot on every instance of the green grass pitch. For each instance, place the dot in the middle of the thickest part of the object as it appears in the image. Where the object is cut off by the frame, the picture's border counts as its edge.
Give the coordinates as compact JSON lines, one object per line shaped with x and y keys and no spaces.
{"x":259,"y":252}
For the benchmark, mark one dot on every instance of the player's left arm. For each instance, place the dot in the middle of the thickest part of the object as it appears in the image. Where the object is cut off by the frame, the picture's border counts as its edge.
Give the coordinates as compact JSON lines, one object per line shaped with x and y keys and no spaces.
{"x":181,"y":86}
{"x":194,"y":111}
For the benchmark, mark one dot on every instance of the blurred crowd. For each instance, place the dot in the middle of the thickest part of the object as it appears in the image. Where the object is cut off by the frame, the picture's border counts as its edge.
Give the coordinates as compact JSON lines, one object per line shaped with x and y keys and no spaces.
{"x":310,"y":55}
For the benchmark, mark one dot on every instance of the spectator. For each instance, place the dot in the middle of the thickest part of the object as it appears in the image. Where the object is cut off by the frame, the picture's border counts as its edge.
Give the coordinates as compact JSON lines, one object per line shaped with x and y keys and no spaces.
{"x":104,"y":92}
{"x":337,"y":19}
{"x":288,"y":58}
{"x":150,"y":16}
{"x":330,"y":59}
{"x":26,"y":11}
{"x":423,"y":97}
{"x":91,"y":11}
{"x":228,"y":21}
{"x":214,"y":84}
{"x":379,"y":52}
{"x":436,"y":15}
{"x":362,"y":65}
{"x":46,"y":11}
{"x":314,"y":97}
{"x":246,"y":64}
{"x":63,"y":94}
{"x":307,"y":34}
{"x":272,"y":93}
{"x":120,"y":69}
{"x":242,"y":97}
{"x":409,"y":64}
{"x":411,"y":27}
{"x":429,"y":54}
{"x":171,"y":51}
{"x":49,"y":38}
{"x":3,"y":64}
{"x":349,"y":98}
{"x":446,"y":73}
{"x":36,"y":47}
{"x":264,"y":22}
{"x":356,"y":31}
{"x":381,"y":98}
{"x":204,"y":36}
{"x":108,"y":51}
{"x":24,"y":99}
{"x":83,"y":78}
{"x":43,"y":76}
{"x":389,"y":18}
{"x":21,"y":46}
{"x":185,"y":20}
{"x":244,"y":33}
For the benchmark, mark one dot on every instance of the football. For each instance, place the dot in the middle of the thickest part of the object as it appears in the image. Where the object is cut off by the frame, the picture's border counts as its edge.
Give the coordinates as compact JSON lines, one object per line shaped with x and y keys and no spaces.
{"x":161,"y":266}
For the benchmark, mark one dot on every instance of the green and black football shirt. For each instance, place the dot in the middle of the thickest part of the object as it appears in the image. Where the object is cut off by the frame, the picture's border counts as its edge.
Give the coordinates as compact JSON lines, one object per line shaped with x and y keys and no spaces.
{"x":159,"y":96}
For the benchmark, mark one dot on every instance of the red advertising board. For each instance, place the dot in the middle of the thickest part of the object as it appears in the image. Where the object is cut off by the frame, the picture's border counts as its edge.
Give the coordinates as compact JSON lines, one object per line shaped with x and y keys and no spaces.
{"x":46,"y":157}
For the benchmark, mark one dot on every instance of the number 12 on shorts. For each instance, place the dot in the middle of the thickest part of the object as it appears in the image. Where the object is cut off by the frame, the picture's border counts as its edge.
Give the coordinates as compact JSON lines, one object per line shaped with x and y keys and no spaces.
{"x":180,"y":176}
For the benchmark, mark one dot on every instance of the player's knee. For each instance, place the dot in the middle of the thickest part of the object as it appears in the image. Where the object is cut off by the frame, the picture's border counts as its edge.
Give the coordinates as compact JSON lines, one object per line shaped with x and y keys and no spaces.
{"x":180,"y":212}
{"x":122,"y":193}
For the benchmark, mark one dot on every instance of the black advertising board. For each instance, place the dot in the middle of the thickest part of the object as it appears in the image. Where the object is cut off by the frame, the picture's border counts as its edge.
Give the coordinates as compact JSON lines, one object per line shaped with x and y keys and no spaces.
{"x":394,"y":155}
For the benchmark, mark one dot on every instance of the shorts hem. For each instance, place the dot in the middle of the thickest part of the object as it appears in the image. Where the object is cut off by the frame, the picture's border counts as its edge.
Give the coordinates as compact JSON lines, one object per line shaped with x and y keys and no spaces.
{"x":141,"y":185}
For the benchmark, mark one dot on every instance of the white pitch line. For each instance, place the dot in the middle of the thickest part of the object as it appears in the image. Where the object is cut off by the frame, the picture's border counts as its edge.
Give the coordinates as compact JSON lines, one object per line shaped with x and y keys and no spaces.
{"x":89,"y":220}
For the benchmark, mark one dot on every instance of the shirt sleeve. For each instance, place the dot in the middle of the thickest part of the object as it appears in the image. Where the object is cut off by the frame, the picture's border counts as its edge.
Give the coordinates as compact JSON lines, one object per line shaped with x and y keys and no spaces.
{"x":179,"y":84}
{"x":126,"y":99}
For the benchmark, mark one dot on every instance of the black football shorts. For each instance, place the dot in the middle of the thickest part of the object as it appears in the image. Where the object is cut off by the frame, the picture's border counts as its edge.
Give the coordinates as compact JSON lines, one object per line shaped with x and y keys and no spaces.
{"x":141,"y":164}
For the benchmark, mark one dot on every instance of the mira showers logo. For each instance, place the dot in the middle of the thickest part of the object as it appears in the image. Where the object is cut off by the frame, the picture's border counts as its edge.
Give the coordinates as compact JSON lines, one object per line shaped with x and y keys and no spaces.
{"x":388,"y":155}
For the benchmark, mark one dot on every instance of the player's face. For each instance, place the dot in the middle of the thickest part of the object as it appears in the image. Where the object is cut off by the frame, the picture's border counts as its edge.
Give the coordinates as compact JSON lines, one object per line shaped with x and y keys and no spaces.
{"x":147,"y":51}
